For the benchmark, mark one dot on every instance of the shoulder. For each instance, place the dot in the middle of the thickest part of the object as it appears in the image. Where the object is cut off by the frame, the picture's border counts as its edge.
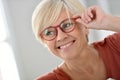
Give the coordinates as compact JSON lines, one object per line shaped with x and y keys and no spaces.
{"x":56,"y":74}
{"x":114,"y":37}
{"x":111,"y":44}
{"x":109,"y":40}
{"x":47,"y":76}
{"x":109,"y":51}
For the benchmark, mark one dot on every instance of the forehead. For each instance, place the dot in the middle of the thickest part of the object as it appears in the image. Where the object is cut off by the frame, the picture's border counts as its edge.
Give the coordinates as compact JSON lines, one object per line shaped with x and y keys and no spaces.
{"x":63,"y":15}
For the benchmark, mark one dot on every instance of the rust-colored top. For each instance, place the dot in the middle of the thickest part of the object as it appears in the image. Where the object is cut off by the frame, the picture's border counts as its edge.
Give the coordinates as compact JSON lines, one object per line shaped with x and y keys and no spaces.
{"x":56,"y":74}
{"x":109,"y":50}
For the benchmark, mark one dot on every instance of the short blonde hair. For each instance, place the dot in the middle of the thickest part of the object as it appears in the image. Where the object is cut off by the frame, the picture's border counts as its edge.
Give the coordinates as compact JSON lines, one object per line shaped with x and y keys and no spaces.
{"x":48,"y":11}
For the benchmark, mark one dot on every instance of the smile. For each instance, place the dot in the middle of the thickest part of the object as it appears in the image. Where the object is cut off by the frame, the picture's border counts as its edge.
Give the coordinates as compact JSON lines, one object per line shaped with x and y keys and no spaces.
{"x":66,"y":45}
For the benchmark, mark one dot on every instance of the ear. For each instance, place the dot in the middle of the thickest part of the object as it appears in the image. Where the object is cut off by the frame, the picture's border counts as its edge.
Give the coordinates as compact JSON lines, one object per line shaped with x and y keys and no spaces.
{"x":86,"y":30}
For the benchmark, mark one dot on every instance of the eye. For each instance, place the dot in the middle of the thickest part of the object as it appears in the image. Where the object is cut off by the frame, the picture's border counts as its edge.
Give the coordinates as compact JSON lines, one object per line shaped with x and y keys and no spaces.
{"x":49,"y":32}
{"x":66,"y":25}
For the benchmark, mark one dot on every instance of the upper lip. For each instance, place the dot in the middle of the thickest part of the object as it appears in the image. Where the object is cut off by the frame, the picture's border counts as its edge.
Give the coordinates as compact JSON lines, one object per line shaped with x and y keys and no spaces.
{"x":65,"y":43}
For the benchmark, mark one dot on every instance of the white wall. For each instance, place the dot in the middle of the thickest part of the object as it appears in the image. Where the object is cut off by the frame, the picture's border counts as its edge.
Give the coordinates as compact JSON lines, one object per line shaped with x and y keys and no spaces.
{"x":32,"y":58}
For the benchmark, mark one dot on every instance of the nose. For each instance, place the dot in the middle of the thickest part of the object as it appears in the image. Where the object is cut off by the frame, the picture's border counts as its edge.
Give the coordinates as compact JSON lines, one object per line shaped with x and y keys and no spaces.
{"x":61,"y":35}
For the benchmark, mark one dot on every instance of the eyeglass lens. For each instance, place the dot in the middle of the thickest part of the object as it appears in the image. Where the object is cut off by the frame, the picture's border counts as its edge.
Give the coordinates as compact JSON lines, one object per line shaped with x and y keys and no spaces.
{"x":51,"y":32}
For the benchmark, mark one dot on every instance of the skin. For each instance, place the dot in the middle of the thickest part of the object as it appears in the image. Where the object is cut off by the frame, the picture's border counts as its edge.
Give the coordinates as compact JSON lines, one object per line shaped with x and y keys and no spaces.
{"x":81,"y":60}
{"x":68,"y":38}
{"x":96,"y":18}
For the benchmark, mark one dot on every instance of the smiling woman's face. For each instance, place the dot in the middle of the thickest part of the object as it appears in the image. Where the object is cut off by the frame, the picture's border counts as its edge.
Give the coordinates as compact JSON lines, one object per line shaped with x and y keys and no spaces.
{"x":68,"y":45}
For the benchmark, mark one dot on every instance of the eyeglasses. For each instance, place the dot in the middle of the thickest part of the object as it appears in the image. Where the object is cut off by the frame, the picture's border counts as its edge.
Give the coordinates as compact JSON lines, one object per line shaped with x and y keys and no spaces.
{"x":66,"y":26}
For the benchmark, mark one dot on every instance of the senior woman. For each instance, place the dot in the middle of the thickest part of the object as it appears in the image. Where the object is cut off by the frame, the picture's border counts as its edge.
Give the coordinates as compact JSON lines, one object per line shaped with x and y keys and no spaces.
{"x":63,"y":26}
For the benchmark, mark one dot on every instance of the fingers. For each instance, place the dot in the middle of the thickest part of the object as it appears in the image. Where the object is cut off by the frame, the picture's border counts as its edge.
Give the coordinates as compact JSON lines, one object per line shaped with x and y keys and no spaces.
{"x":87,"y":16}
{"x":93,"y":18}
{"x":89,"y":12}
{"x":81,"y":19}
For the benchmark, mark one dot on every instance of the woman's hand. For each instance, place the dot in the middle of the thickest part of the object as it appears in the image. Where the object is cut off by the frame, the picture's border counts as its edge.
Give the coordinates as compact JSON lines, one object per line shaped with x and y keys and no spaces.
{"x":94,"y":18}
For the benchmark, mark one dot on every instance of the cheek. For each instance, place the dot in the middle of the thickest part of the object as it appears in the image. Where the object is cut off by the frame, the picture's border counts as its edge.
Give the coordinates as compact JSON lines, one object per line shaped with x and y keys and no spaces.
{"x":50,"y":45}
{"x":80,"y":33}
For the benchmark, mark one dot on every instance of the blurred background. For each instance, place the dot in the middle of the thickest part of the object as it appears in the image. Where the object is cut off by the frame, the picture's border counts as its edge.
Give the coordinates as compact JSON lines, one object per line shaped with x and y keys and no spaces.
{"x":22,"y":57}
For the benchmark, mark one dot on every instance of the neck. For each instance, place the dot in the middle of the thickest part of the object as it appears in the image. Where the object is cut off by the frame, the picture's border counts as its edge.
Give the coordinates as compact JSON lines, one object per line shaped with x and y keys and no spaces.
{"x":88,"y":57}
{"x":84,"y":65}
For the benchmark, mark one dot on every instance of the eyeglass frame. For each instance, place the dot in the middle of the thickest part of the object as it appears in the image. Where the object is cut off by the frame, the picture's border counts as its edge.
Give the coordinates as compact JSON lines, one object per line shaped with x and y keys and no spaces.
{"x":58,"y":26}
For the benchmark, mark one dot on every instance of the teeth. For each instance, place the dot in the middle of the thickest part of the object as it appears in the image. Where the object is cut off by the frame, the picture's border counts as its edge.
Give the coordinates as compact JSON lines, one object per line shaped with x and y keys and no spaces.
{"x":65,"y":46}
